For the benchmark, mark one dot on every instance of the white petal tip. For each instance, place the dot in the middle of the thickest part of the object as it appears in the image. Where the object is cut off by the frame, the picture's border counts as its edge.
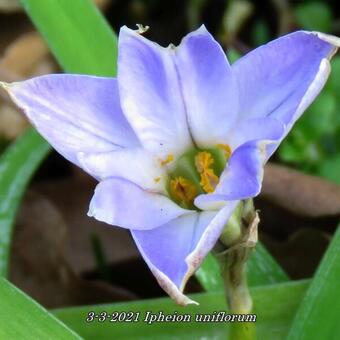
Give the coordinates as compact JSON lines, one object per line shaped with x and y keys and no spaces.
{"x":202,"y":28}
{"x":192,"y":302}
{"x":331,"y":39}
{"x":4,"y":85}
{"x":91,"y":213}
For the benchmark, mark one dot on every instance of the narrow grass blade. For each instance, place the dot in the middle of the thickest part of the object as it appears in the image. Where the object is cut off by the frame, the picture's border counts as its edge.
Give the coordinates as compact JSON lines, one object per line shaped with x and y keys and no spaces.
{"x":23,"y":318}
{"x":17,"y":165}
{"x":77,"y":34}
{"x":263,"y":269}
{"x":318,"y":315}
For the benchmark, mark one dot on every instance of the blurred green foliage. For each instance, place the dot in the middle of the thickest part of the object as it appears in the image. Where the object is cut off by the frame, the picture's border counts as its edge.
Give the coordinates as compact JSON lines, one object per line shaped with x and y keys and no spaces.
{"x":315,"y":16}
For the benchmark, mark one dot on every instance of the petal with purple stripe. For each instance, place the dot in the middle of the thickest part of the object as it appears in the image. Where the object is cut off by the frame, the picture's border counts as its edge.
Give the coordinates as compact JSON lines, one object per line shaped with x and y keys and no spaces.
{"x":150,"y":94}
{"x":175,"y":250}
{"x":75,"y":113}
{"x":209,"y":87}
{"x":282,"y":78}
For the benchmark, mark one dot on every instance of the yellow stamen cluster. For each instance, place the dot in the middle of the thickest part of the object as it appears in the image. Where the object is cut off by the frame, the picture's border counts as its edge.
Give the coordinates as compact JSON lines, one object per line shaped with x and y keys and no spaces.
{"x":203,"y":163}
{"x":182,"y":190}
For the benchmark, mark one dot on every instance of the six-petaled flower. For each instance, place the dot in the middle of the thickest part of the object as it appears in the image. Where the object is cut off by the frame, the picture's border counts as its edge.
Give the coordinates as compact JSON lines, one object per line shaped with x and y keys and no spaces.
{"x":179,"y":137}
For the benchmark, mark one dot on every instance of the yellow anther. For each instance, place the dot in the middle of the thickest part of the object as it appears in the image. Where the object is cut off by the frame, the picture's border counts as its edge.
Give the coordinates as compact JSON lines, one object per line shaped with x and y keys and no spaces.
{"x":157,"y":179}
{"x":182,"y":190}
{"x":226,"y":149}
{"x":168,"y":159}
{"x":203,"y":162}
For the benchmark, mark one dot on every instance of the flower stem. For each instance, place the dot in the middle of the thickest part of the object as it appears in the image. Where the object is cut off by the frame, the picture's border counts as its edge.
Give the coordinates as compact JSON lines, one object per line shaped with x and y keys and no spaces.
{"x":238,"y":295}
{"x":236,"y":244}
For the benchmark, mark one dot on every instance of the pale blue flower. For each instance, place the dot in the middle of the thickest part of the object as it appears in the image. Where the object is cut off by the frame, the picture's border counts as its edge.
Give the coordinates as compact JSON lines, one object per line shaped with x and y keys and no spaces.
{"x":179,"y":137}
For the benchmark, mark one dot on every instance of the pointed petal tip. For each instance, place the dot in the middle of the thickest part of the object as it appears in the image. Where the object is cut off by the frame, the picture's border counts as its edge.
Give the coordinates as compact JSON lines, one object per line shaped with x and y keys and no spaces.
{"x":201,"y":30}
{"x":8,"y":87}
{"x":90,"y":212}
{"x":169,"y":287}
{"x":11,"y":88}
{"x":331,"y":39}
{"x":4,"y":85}
{"x":192,"y":302}
{"x":125,"y":30}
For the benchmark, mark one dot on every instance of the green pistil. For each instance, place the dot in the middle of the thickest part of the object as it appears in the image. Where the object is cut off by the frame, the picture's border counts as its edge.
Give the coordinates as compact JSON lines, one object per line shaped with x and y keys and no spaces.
{"x":185,"y":168}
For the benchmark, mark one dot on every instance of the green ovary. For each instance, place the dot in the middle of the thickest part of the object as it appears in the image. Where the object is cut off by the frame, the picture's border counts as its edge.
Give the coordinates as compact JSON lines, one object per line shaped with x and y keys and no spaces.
{"x":196,"y":172}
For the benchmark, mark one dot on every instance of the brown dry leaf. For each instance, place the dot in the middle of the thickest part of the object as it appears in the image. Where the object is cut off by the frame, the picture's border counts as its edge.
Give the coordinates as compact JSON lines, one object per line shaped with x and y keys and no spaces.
{"x":102,"y":4}
{"x":300,"y":194}
{"x":38,"y":265}
{"x":27,"y":56}
{"x":12,"y":123}
{"x":72,"y":197}
{"x":301,"y":253}
{"x":9,"y":6}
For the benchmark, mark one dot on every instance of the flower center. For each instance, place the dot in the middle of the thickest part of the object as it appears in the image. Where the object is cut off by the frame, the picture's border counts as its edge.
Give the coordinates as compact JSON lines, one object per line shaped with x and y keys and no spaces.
{"x":197,"y":172}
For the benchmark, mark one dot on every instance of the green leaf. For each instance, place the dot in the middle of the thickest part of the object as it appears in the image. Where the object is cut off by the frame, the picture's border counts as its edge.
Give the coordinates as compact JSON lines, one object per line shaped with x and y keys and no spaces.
{"x":314,"y":16}
{"x":82,"y":42}
{"x":209,"y":275}
{"x":17,"y":165}
{"x":318,"y":314}
{"x":77,"y":34}
{"x":275,"y":308}
{"x":23,"y":318}
{"x":263,"y":269}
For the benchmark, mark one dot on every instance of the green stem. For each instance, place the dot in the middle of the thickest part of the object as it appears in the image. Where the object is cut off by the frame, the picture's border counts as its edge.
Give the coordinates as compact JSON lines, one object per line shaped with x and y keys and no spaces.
{"x":238,"y":295}
{"x":235,"y":280}
{"x":236,"y":244}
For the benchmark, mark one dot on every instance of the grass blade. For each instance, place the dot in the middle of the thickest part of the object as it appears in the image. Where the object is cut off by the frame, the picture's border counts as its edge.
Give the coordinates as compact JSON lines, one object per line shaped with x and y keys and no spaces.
{"x":22,"y":318}
{"x":263,"y":268}
{"x":17,"y":165}
{"x":209,"y":275}
{"x":77,"y":34}
{"x":318,"y":315}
